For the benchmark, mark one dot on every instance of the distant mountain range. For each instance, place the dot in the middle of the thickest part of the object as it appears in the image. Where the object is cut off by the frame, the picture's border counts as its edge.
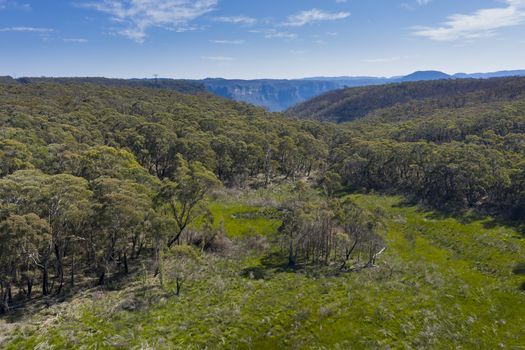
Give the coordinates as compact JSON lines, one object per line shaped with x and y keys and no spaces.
{"x":273,"y":94}
{"x":279,"y":95}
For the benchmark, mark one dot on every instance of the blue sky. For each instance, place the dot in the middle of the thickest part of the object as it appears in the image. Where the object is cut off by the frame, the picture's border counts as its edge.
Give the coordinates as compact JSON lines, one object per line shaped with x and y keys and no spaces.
{"x":258,"y":38}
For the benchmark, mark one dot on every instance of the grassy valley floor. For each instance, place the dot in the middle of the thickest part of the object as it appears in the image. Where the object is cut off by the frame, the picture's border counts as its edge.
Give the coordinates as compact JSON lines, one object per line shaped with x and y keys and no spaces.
{"x":442,"y":283}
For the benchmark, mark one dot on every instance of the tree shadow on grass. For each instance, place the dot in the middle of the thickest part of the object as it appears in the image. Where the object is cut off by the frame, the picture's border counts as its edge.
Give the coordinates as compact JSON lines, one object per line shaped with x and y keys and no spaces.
{"x":276,"y":262}
{"x":519,"y":269}
{"x":501,"y":221}
{"x":489,"y":217}
{"x":463,"y":216}
{"x":522,"y":286}
{"x":272,"y":263}
{"x":405,"y":202}
{"x":23,"y":308}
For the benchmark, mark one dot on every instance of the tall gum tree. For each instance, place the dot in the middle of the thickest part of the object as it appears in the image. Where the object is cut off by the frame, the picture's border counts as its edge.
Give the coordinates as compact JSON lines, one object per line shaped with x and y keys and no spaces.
{"x":182,"y":198}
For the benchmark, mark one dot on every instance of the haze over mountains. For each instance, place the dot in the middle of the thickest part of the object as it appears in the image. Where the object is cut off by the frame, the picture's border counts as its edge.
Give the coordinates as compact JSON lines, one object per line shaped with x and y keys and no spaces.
{"x":279,"y":95}
{"x":275,"y":95}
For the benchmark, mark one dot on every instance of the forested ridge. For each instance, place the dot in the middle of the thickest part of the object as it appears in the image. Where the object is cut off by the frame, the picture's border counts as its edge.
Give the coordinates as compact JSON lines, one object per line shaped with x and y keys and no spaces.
{"x":409,"y":99}
{"x":179,"y":85}
{"x":101,"y":184}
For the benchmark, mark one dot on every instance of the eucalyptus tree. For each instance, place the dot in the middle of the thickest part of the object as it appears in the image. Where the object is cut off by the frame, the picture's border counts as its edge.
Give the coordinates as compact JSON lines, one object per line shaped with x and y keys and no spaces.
{"x":26,"y":243}
{"x":154,"y":145}
{"x":183,"y":198}
{"x":14,"y":156}
{"x":124,"y":206}
{"x":63,"y":200}
{"x":67,"y":202}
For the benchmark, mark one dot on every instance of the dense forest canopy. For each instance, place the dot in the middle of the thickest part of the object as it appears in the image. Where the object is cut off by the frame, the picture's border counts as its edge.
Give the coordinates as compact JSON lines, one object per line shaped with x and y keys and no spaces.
{"x":234,"y":140}
{"x":91,"y":175}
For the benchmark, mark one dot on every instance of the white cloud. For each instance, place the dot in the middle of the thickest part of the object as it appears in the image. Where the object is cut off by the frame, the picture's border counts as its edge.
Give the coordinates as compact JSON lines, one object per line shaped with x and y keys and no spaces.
{"x":273,"y":33}
{"x":281,"y":35}
{"x":187,"y":28}
{"x":26,"y":29}
{"x":228,"y":42}
{"x":218,"y":58}
{"x":412,"y":6}
{"x":236,"y":20}
{"x":140,"y":15}
{"x":482,"y":23}
{"x":314,"y":15}
{"x":4,"y":4}
{"x":75,"y":40}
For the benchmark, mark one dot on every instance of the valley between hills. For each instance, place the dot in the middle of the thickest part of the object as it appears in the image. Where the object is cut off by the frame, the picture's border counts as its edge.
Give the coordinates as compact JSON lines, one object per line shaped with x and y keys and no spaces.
{"x":153,"y":214}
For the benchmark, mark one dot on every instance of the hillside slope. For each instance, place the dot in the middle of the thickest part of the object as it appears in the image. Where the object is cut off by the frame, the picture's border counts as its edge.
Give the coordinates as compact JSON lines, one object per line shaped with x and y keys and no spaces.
{"x":354,"y":103}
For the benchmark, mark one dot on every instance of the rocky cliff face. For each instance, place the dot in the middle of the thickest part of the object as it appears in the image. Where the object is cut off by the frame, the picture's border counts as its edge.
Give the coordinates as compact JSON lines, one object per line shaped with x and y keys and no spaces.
{"x":275,"y":95}
{"x":279,"y":95}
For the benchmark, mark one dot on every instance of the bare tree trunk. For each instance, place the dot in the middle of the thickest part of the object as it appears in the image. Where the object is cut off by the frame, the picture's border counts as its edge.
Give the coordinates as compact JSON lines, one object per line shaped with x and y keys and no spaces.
{"x":4,"y":306}
{"x":72,"y":279}
{"x":133,"y":246}
{"x":29,"y":283}
{"x":139,"y":250}
{"x":60,"y":268}
{"x":9,"y":293}
{"x":2,"y":294}
{"x":291,"y":257}
{"x":45,"y":278}
{"x":102,"y":278}
{"x":126,"y":268}
{"x":177,"y":237}
{"x":348,"y":253}
{"x":160,"y":268}
{"x":179,"y":285}
{"x":373,"y":258}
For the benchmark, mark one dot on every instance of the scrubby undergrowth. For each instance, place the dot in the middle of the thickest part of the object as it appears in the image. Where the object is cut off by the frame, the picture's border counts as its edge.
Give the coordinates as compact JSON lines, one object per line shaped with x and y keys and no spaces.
{"x":442,"y":283}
